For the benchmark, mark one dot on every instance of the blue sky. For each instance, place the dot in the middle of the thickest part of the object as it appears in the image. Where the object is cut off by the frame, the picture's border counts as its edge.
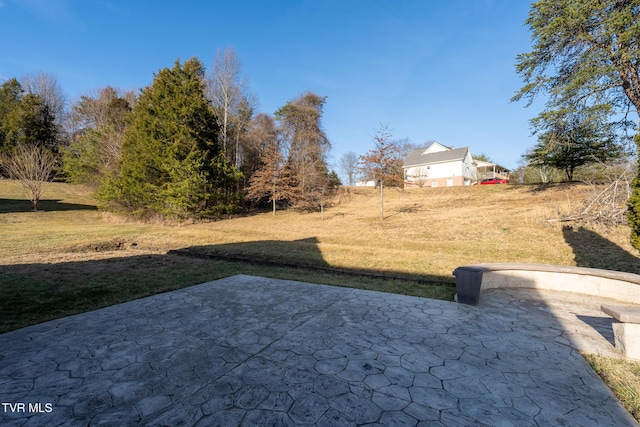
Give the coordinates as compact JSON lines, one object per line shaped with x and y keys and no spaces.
{"x":431,"y":70}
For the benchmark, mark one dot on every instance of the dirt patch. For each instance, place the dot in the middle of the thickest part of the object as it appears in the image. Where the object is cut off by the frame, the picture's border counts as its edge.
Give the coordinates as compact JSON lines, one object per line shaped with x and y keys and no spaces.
{"x":102,"y":246}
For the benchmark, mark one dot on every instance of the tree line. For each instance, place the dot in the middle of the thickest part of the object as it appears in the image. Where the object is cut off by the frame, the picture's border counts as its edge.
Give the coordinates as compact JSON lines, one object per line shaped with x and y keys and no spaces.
{"x":189,"y":145}
{"x":192,"y":145}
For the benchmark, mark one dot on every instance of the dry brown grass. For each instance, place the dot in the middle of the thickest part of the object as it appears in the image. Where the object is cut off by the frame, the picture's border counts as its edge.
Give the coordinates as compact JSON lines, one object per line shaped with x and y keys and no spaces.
{"x":73,"y":258}
{"x":426,"y":231}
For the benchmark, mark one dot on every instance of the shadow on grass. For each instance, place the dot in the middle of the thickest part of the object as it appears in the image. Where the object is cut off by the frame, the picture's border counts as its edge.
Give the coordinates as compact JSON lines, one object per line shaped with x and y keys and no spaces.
{"x":592,"y":250}
{"x":297,"y":254}
{"x":37,"y":292}
{"x":47,"y":205}
{"x":540,"y":188}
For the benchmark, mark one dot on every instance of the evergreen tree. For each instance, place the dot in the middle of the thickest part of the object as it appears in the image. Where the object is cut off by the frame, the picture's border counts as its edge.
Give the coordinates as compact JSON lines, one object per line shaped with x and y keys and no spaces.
{"x":36,"y":123}
{"x":571,"y":139}
{"x":586,"y":53}
{"x":334,"y":179}
{"x":95,"y":150}
{"x":10,"y":95}
{"x":25,"y":119}
{"x":81,"y":159}
{"x":172,"y":163}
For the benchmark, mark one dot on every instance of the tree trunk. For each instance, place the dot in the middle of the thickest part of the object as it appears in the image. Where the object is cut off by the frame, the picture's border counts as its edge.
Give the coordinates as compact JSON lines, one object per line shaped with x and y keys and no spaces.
{"x":569,"y":172}
{"x":381,"y":199}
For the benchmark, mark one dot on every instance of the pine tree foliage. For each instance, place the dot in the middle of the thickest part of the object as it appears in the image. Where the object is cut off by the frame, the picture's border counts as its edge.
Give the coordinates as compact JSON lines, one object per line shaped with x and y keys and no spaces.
{"x":568,"y":140}
{"x":584,"y":50}
{"x":10,"y":95}
{"x":586,"y":54}
{"x":25,"y":119}
{"x":633,"y":205}
{"x":96,"y":147}
{"x":81,"y":159}
{"x":172,"y":163}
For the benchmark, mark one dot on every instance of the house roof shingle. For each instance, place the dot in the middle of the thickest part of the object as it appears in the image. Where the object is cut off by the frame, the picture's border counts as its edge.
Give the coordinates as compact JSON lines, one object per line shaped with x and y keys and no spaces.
{"x":416,"y":157}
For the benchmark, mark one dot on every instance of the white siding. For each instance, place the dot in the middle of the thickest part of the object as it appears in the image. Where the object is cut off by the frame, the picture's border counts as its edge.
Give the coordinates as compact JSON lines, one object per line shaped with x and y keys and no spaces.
{"x":434,"y":171}
{"x":468,"y":169}
{"x":416,"y":173}
{"x":445,"y":170}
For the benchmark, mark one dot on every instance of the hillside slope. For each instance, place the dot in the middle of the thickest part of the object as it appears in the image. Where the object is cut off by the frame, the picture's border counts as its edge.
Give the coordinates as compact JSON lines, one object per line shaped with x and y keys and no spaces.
{"x":425,"y":231}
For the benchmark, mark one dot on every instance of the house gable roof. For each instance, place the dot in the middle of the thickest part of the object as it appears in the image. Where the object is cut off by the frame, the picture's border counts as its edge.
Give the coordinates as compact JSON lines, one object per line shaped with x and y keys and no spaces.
{"x":436,"y":147}
{"x":422,"y":156}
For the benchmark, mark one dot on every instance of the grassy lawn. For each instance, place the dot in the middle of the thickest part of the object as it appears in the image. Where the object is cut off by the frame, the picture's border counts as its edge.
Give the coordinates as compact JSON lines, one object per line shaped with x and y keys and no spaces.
{"x":622,"y":377}
{"x":71,"y":257}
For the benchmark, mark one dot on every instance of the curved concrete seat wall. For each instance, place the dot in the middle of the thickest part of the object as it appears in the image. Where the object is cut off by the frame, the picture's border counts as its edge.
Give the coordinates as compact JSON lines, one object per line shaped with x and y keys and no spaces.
{"x":473,"y":279}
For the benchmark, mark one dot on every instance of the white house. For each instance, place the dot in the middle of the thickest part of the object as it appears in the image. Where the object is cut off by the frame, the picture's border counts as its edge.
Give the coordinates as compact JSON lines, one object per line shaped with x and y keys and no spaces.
{"x":366,"y":183}
{"x":440,"y":166}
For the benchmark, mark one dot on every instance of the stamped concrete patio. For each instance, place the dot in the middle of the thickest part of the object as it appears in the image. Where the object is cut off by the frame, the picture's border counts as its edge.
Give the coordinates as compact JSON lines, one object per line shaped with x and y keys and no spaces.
{"x":254,"y":351}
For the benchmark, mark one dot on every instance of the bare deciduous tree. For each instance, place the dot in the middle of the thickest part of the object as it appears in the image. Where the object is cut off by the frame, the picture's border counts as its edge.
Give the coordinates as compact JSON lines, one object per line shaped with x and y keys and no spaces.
{"x":349,"y":166}
{"x":603,"y":203}
{"x":232,"y":102}
{"x":306,"y":145}
{"x":240,"y":126}
{"x":383,"y":163}
{"x":260,"y":135}
{"x":47,"y":87}
{"x":104,"y":107}
{"x":405,"y":146}
{"x":32,"y":166}
{"x":273,"y":179}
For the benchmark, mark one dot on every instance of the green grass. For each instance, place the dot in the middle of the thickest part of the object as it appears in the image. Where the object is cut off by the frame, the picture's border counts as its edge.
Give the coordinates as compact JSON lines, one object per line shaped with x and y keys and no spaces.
{"x":71,"y":258}
{"x":622,"y":377}
{"x":39,"y":292}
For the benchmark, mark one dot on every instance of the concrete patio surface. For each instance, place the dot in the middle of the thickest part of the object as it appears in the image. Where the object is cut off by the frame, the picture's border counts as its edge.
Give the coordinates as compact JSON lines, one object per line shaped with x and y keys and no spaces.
{"x":254,"y":351}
